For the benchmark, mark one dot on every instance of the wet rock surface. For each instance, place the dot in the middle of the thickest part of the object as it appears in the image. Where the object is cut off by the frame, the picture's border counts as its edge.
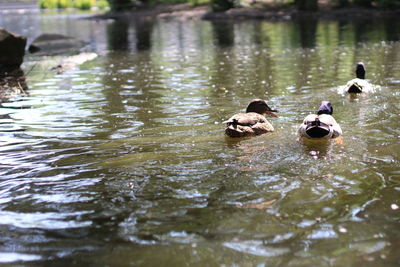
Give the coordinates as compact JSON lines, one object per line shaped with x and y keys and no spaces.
{"x":12,"y":51}
{"x":55,"y":44}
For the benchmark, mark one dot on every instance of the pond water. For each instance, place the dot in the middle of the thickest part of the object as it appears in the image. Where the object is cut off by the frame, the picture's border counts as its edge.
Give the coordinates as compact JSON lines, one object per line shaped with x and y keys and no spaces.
{"x":123,"y":160}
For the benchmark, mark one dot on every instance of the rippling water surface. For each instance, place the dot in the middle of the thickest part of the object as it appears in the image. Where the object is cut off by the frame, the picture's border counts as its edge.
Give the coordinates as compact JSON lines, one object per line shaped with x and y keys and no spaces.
{"x":123,"y":160}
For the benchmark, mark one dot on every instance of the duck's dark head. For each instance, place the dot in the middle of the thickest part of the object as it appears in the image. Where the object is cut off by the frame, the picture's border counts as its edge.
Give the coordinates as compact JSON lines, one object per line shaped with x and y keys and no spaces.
{"x":325,"y":108}
{"x":261,"y":107}
{"x":360,"y":70}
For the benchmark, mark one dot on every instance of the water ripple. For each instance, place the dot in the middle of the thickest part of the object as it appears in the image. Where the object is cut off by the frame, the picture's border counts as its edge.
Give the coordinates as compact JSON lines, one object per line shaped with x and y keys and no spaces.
{"x":258,"y":248}
{"x":48,"y":220}
{"x":125,"y":157}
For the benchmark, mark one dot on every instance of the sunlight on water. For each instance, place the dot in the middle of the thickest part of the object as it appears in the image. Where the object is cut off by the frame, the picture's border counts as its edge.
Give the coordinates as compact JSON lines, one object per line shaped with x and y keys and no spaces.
{"x":125,"y":157}
{"x":37,"y":220}
{"x":15,"y":257}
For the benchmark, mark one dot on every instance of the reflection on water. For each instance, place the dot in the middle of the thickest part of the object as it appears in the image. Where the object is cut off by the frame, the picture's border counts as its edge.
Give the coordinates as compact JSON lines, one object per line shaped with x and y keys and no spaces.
{"x":223,"y":33}
{"x":125,"y":158}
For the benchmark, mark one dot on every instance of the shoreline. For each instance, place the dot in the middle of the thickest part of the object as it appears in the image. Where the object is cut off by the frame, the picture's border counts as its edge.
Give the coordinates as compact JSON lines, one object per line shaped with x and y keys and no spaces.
{"x":186,"y":12}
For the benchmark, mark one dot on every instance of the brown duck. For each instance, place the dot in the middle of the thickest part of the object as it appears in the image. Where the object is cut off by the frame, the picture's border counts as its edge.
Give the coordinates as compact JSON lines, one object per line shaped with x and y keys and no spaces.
{"x":252,"y":122}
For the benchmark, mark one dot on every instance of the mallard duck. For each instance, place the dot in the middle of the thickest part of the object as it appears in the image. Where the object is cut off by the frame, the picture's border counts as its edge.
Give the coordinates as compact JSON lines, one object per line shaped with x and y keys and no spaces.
{"x":359,"y":84}
{"x":320,"y":125}
{"x":252,"y":122}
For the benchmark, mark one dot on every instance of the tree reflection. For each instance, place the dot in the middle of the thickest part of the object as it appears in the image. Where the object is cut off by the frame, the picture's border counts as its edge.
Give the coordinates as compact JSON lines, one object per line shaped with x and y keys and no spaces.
{"x":143,"y":34}
{"x":223,"y":33}
{"x":118,"y":35}
{"x":307,"y":30}
{"x":392,"y":26}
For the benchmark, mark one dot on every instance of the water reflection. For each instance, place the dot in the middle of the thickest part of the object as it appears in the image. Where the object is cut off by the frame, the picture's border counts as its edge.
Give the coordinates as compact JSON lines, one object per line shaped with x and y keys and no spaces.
{"x":320,"y":148}
{"x":144,"y":30}
{"x":223,"y":33}
{"x":307,"y":31}
{"x":118,"y":35}
{"x":390,"y":25}
{"x":126,"y":157}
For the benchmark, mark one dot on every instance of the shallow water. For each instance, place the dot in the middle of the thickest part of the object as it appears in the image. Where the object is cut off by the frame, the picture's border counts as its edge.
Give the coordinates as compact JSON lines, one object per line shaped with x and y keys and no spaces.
{"x":123,"y":161}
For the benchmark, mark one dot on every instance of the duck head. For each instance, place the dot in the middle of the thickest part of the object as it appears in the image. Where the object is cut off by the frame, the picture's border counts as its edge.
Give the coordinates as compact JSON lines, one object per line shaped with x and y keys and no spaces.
{"x":316,"y":128}
{"x":261,"y":107}
{"x":360,"y":70}
{"x":325,"y":108}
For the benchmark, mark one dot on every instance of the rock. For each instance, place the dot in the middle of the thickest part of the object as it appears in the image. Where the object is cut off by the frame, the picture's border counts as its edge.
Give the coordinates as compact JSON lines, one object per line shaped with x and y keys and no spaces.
{"x":12,"y":84}
{"x":55,"y":44}
{"x":71,"y":62}
{"x":12,"y":51}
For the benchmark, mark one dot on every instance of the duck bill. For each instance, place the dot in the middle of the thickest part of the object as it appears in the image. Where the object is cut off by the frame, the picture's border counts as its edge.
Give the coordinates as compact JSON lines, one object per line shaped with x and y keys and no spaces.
{"x":318,"y":131}
{"x":271,"y":113}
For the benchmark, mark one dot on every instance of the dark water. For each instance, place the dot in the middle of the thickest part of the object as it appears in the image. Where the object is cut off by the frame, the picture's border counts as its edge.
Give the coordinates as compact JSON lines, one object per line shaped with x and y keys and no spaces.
{"x":123,"y":161}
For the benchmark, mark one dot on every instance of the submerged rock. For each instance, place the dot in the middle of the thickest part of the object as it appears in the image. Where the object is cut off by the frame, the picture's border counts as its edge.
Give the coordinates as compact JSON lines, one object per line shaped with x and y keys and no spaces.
{"x":71,"y":62}
{"x":54,"y":44}
{"x":12,"y":51}
{"x":12,"y":79}
{"x":12,"y":84}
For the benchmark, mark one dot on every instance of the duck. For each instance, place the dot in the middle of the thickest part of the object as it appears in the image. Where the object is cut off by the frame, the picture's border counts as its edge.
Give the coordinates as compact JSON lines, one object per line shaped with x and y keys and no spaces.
{"x":359,"y":84}
{"x":252,"y":122}
{"x":321,"y":125}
